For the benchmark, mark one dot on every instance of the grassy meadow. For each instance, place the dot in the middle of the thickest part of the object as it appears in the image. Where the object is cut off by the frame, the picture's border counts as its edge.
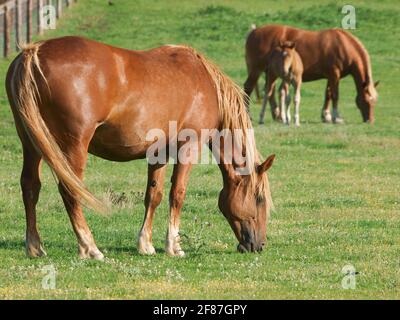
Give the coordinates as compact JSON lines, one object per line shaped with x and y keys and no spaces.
{"x":336,"y":188}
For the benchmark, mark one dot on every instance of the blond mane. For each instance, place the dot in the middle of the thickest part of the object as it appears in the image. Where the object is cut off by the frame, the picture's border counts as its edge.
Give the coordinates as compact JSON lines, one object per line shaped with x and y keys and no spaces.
{"x":234,"y":115}
{"x":366,"y":60}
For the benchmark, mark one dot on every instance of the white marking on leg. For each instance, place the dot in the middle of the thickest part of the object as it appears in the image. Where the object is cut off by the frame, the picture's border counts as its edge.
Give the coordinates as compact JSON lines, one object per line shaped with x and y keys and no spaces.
{"x":145,"y":246}
{"x":335,"y":113}
{"x":326,"y":115}
{"x":283,"y":106}
{"x":87,"y":246}
{"x":297,"y":99}
{"x":172,"y":245}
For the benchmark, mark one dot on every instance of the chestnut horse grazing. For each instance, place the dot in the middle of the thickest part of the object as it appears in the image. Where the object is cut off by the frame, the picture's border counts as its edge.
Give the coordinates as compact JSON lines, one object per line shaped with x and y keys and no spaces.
{"x":328,"y":54}
{"x":286,"y":64}
{"x":70,"y":96}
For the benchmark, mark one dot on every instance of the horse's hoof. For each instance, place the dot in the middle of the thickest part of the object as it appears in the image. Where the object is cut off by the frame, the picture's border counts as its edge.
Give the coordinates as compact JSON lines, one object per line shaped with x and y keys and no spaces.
{"x":180,"y":253}
{"x":146,"y":250}
{"x":338,"y":121}
{"x":260,"y":122}
{"x":94,"y":254}
{"x":35,"y":251}
{"x":326,"y":118}
{"x":175,"y":252}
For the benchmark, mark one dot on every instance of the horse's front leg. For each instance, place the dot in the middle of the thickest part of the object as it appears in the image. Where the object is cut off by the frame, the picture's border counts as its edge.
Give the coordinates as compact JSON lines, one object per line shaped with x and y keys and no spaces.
{"x":282,"y":101}
{"x":154,"y":194}
{"x":269,"y":90}
{"x":297,"y":98}
{"x":287,"y":102}
{"x":325,"y":113}
{"x":336,"y":118}
{"x":179,"y":181}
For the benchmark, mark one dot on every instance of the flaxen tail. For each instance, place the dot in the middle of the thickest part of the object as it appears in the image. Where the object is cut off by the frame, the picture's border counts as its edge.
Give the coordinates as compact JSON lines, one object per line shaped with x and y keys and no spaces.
{"x":26,"y":98}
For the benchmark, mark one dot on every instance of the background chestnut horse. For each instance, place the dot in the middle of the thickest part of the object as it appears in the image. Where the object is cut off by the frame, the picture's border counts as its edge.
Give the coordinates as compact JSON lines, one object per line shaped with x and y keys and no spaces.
{"x":328,"y":54}
{"x":72,"y":95}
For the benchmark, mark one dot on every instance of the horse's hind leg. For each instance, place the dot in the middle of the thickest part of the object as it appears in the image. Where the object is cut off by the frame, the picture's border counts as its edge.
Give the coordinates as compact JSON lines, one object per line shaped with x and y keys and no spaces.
{"x":250,"y":83}
{"x":76,"y":153}
{"x":269,"y":90}
{"x":30,"y":185}
{"x":275,"y":110}
{"x":257,"y":91}
{"x":154,"y":193}
{"x":179,"y":181}
{"x":335,"y":98}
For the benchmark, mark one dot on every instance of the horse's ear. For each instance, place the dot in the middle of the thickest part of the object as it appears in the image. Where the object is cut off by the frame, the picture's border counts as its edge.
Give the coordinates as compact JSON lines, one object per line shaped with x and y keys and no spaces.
{"x":266,"y":164}
{"x":376,"y":83}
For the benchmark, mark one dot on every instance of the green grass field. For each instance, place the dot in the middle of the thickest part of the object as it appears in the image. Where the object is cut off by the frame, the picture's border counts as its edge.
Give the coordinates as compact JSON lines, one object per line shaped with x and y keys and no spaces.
{"x":336,"y":187}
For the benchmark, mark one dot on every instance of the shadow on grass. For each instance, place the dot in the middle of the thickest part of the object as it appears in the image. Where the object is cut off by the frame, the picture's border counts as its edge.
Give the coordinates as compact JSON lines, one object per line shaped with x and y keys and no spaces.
{"x":19,"y":245}
{"x":12,"y":244}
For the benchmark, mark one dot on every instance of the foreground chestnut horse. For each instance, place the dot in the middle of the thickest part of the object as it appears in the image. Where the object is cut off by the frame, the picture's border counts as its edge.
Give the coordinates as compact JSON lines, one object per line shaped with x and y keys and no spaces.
{"x":328,"y":54}
{"x":71,"y":96}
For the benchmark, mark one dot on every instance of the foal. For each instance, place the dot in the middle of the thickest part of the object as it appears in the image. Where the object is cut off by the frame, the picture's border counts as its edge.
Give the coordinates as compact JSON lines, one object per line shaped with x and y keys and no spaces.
{"x":286,"y":64}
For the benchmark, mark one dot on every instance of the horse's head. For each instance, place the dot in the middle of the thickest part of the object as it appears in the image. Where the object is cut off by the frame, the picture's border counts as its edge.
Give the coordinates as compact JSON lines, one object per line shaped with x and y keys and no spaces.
{"x":366,"y":101}
{"x":245,"y":203}
{"x":286,"y":52}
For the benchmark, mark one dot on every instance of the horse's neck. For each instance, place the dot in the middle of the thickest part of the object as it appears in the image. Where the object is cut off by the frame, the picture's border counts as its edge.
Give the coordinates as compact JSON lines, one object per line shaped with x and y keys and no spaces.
{"x":228,"y":167}
{"x":361,"y":71}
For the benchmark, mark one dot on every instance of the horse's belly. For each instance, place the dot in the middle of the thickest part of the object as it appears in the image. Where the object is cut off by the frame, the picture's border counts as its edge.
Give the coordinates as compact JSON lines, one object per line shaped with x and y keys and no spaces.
{"x":307,"y":77}
{"x":118,"y":144}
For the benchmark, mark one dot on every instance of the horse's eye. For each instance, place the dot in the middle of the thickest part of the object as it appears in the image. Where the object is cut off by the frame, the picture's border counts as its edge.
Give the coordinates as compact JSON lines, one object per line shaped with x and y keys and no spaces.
{"x":259,"y":200}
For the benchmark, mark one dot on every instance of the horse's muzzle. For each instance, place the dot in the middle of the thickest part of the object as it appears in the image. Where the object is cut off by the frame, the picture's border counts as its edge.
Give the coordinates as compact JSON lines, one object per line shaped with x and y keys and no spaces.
{"x":250,"y":247}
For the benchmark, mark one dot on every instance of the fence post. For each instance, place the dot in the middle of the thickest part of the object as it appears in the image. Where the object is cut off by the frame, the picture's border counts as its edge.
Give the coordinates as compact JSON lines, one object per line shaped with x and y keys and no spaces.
{"x":7,"y":31}
{"x":59,"y":6}
{"x":29,"y":8}
{"x":18,"y":24}
{"x":39,"y":17}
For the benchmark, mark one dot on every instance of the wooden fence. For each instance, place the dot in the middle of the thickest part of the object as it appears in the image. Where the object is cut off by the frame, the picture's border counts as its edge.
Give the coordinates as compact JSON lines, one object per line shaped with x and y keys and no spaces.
{"x":20,"y":19}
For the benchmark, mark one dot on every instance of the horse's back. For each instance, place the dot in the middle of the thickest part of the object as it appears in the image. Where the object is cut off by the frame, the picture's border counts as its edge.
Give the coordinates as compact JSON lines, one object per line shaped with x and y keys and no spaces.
{"x":320,"y":51}
{"x":114,"y":96}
